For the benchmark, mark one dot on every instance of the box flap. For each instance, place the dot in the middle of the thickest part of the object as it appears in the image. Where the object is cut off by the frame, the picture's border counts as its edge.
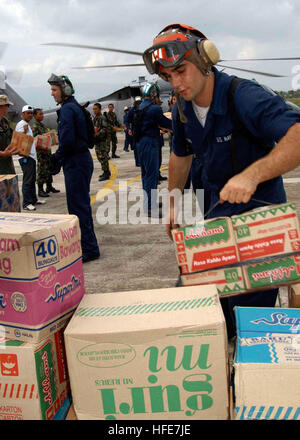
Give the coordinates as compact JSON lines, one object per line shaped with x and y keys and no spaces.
{"x":146,"y":310}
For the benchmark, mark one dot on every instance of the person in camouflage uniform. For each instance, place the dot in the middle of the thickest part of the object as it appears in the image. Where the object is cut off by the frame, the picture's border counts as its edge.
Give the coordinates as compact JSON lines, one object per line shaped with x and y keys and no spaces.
{"x":113,"y":125}
{"x":101,"y":127}
{"x":43,"y":157}
{"x":6,"y":151}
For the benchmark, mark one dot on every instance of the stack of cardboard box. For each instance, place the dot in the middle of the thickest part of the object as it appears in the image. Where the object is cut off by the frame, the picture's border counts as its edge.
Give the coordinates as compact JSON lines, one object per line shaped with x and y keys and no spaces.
{"x":267,"y":364}
{"x":259,"y":249}
{"x":42,"y":283}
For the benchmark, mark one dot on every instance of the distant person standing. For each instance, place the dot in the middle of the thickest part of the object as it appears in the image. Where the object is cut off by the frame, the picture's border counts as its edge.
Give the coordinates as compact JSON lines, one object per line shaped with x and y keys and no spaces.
{"x":100,"y":125}
{"x":126,"y":127}
{"x":28,"y":164}
{"x":113,"y":125}
{"x":74,"y":156}
{"x":136,"y":103}
{"x":44,"y":176}
{"x":149,"y":144}
{"x":6,"y":151}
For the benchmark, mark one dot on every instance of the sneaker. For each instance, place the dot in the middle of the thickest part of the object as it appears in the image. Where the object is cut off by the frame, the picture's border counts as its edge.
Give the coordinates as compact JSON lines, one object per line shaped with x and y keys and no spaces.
{"x":40,"y":202}
{"x":115,"y":156}
{"x":29,"y":207}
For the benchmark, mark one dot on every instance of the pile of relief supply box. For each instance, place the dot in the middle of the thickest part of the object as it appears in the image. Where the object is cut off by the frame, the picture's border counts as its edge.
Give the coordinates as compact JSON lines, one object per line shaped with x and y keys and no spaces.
{"x":156,"y":354}
{"x":41,"y":284}
{"x":267,"y":364}
{"x":259,"y":249}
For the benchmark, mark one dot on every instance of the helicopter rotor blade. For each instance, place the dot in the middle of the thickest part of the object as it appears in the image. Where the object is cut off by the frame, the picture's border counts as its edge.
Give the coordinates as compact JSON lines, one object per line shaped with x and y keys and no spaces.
{"x":262,"y":59}
{"x":108,"y":66}
{"x":252,"y":71}
{"x":83,"y":46}
{"x":2,"y":48}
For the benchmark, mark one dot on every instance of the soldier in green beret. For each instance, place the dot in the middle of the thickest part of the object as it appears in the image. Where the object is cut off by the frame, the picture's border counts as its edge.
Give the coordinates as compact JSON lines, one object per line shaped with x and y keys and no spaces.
{"x":6,"y":150}
{"x":101,"y":127}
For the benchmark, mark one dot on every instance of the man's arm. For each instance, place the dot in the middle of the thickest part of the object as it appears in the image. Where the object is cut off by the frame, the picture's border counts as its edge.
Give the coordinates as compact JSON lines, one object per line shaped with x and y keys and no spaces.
{"x":179,"y":168}
{"x":284,"y":157}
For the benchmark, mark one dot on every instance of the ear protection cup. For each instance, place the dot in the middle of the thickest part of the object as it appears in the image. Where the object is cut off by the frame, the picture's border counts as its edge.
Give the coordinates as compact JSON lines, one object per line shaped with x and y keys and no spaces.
{"x":67,"y":87}
{"x":204,"y":56}
{"x":67,"y":90}
{"x":209,"y":52}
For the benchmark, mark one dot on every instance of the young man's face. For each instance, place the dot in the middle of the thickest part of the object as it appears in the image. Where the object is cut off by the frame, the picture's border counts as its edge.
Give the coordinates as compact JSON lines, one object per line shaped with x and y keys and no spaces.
{"x":56,"y":93}
{"x":187,"y":80}
{"x":110,"y":108}
{"x":27,"y":116}
{"x":96,"y":110}
{"x":39,"y":116}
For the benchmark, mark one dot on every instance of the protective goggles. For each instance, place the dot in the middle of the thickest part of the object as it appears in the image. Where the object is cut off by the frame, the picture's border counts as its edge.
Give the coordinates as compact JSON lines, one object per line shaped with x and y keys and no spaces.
{"x":167,"y":54}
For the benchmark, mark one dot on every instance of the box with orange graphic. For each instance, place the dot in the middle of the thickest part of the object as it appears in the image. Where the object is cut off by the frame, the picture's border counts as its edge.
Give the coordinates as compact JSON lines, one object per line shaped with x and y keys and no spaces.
{"x":207,"y":254}
{"x":34,"y":381}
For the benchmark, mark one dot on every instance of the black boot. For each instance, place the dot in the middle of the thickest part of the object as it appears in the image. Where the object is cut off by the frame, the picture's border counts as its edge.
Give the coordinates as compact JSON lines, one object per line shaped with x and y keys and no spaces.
{"x":41,"y":192}
{"x":50,"y":188}
{"x":105,"y":176}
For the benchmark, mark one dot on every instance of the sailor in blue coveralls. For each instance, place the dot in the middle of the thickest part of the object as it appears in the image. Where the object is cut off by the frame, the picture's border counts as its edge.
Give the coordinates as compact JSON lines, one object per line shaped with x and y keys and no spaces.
{"x":73,"y":153}
{"x":148,"y":147}
{"x":239,"y":179}
{"x":126,"y":127}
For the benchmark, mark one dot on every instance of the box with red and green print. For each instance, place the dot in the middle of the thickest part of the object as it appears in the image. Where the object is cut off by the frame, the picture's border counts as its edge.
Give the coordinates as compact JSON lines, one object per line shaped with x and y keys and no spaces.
{"x":34,"y":382}
{"x":267,"y":231}
{"x":207,"y":254}
{"x":268,"y":241}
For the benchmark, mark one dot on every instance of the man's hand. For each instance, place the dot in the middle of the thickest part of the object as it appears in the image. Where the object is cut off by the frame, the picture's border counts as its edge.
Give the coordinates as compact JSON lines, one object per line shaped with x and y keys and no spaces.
{"x":9,"y":151}
{"x":170,"y":223}
{"x":238,"y":189}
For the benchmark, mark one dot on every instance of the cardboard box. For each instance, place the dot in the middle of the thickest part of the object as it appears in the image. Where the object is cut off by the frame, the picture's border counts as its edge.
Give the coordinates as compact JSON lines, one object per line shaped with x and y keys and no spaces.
{"x":34,"y":383}
{"x":203,"y":252}
{"x":149,"y":354}
{"x":22,"y":142}
{"x":43,"y":142}
{"x":228,"y":281}
{"x":9,"y":193}
{"x":268,"y":231}
{"x":272,"y":273}
{"x":294,"y":296}
{"x":267,"y":364}
{"x":41,"y":274}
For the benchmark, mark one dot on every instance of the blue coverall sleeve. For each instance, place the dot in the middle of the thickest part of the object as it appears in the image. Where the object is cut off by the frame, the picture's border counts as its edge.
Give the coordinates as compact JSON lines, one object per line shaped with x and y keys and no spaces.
{"x":265,"y":115}
{"x":162,"y":120}
{"x":179,"y":142}
{"x":67,"y":131}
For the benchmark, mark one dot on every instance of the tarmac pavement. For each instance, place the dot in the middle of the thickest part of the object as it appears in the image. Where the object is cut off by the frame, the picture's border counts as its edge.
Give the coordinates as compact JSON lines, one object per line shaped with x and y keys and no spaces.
{"x":133,"y":256}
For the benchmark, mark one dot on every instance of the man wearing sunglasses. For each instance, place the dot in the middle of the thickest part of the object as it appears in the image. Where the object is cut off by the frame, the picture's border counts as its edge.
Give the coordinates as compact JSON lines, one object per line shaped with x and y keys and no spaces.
{"x":203,"y":128}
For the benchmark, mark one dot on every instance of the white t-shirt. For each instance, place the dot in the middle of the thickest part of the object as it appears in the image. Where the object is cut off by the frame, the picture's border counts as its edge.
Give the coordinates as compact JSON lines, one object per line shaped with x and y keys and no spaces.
{"x":201,"y":113}
{"x":20,"y":128}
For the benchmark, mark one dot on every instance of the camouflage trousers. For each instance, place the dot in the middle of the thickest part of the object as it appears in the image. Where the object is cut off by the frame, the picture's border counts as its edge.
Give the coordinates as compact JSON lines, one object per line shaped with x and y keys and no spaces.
{"x":102,"y":155}
{"x":112,"y":138}
{"x":43,"y":173}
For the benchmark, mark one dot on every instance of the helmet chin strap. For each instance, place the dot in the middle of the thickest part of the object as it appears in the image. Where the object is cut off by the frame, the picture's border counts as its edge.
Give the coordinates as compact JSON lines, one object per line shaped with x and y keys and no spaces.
{"x":182,"y":116}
